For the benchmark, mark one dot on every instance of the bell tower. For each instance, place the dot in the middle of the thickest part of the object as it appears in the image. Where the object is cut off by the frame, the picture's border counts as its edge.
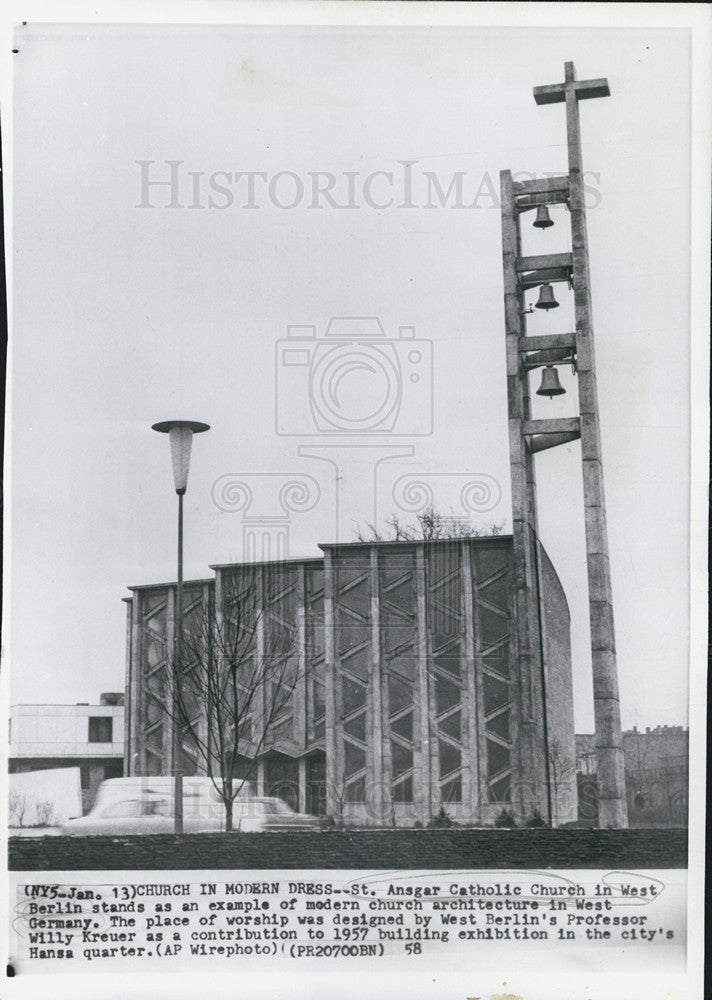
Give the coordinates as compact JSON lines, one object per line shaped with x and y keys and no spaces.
{"x":528,"y":436}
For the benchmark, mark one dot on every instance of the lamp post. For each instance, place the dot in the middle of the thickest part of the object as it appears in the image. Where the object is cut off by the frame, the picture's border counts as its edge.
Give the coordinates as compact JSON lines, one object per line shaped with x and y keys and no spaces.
{"x":180,"y":434}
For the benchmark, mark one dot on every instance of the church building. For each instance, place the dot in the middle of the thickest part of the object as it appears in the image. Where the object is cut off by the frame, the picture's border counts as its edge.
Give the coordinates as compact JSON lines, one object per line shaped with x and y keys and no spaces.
{"x":410,"y":691}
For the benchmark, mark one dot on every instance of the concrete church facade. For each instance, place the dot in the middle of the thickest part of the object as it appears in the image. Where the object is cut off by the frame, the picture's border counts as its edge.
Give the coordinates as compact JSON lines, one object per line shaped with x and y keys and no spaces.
{"x":411,"y":694}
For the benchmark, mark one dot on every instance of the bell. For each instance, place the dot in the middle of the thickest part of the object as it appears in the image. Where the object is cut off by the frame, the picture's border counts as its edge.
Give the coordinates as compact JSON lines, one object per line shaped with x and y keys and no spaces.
{"x":543,"y":219}
{"x":550,"y":385}
{"x":546,"y":298}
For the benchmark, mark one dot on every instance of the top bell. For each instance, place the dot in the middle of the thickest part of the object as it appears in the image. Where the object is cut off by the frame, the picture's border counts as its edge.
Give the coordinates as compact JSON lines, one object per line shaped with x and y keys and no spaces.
{"x":543,"y":219}
{"x":550,"y":385}
{"x":546,"y":298}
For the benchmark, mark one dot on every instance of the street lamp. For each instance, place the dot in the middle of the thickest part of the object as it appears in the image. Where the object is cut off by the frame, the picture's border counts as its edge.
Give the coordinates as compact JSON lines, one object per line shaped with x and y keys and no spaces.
{"x":180,"y":434}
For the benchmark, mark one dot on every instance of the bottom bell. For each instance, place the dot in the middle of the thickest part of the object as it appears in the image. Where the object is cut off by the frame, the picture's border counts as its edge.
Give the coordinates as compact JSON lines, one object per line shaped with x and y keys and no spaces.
{"x":550,"y":385}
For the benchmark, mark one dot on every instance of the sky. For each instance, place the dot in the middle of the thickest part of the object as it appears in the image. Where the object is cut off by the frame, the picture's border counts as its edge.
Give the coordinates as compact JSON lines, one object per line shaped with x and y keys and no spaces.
{"x":127,"y":311}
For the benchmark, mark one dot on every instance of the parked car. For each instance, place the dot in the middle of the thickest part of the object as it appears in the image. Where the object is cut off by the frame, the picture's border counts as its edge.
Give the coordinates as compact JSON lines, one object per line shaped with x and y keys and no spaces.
{"x":130,"y":806}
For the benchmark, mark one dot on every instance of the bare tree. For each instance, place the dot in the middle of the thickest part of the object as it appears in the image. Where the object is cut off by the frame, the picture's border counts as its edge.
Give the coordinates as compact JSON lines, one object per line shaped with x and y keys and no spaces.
{"x":339,"y":798}
{"x":431,"y":525}
{"x":234,"y":685}
{"x":561,"y":767}
{"x":637,"y":752}
{"x":18,"y":804}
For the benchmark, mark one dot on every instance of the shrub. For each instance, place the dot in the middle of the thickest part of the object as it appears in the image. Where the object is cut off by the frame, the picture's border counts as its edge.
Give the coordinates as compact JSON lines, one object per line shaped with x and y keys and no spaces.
{"x":442,"y":819}
{"x":44,"y":811}
{"x":505,"y":819}
{"x":537,"y":820}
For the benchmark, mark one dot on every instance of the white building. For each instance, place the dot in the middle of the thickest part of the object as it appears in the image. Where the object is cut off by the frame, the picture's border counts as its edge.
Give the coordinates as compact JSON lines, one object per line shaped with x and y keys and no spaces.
{"x":90,"y":737}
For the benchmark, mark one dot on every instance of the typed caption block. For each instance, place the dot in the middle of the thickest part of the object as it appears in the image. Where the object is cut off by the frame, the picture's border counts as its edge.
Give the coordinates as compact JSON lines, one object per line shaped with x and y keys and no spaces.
{"x":170,"y":920}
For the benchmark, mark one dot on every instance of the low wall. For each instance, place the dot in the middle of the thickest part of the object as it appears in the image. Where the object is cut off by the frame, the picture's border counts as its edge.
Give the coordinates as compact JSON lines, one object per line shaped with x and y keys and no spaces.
{"x":361,"y":849}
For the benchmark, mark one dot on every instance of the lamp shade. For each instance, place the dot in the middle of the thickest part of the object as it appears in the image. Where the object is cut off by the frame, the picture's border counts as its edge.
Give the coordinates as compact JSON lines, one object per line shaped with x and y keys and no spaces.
{"x":180,"y":433}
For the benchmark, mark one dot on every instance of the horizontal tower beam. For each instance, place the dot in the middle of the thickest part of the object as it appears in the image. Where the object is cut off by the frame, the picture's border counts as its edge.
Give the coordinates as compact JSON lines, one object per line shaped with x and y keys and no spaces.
{"x":548,"y":342}
{"x":555,"y":425}
{"x":541,"y":185}
{"x":544,"y":441}
{"x":527,"y":202}
{"x":544,"y":261}
{"x":549,"y":276}
{"x":564,"y":355}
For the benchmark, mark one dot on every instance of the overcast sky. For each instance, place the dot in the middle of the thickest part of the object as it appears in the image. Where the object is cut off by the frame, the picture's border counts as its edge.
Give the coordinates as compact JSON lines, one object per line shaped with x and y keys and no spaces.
{"x":126,"y":314}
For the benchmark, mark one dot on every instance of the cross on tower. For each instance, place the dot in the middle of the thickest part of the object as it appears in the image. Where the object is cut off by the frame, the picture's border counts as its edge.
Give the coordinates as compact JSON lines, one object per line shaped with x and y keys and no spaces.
{"x":570,"y":92}
{"x":555,"y":93}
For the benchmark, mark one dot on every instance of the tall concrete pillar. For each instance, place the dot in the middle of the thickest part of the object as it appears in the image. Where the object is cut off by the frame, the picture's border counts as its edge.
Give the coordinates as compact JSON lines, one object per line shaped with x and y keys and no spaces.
{"x":527,"y":436}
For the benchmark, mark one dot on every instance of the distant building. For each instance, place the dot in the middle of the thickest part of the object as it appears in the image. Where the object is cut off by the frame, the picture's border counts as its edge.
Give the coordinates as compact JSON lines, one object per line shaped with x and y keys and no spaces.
{"x":657,"y":775}
{"x":413,"y":694}
{"x":90,"y":737}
